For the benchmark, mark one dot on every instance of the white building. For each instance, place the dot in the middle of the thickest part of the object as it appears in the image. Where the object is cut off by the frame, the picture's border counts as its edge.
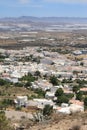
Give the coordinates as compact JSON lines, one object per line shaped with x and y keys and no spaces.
{"x":49,"y":95}
{"x":21,"y":100}
{"x":42,"y":102}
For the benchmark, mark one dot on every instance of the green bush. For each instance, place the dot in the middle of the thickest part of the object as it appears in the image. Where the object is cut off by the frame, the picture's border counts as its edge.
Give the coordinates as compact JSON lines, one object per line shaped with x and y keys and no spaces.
{"x":29,"y":78}
{"x":70,"y":96}
{"x":67,"y":80}
{"x":62,"y":99}
{"x":54,"y":80}
{"x":5,"y":103}
{"x":79,"y":95}
{"x":40,"y":92}
{"x":47,"y":110}
{"x":75,"y":88}
{"x":85,"y":102}
{"x":19,"y":84}
{"x":3,"y":82}
{"x":59,"y":92}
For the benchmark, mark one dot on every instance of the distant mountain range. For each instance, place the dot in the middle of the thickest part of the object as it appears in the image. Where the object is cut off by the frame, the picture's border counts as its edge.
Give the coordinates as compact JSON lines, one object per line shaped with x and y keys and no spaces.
{"x":29,"y":19}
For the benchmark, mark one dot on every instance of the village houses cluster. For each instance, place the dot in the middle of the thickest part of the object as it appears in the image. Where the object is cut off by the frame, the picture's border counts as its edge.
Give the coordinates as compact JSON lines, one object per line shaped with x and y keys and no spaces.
{"x":19,"y":63}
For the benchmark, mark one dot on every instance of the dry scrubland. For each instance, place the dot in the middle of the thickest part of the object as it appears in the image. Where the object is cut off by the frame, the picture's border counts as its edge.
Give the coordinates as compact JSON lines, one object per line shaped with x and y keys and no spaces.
{"x":42,"y":38}
{"x":64,"y":122}
{"x":13,"y":92}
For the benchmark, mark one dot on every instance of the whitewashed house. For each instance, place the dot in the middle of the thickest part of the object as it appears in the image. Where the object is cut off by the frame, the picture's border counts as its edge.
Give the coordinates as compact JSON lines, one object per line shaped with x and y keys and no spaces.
{"x":21,"y":101}
{"x":42,"y":102}
{"x":49,"y":95}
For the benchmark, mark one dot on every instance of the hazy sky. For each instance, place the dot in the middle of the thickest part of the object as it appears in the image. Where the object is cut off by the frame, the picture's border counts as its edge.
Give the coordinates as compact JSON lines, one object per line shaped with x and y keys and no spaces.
{"x":66,"y":8}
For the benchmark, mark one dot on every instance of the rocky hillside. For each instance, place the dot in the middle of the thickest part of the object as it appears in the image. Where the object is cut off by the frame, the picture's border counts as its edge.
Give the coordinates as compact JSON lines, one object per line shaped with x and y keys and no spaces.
{"x":64,"y":122}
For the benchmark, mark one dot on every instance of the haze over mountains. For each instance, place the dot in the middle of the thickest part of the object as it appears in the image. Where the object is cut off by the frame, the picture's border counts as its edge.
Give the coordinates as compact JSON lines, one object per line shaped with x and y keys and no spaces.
{"x":30,"y":23}
{"x":44,"y":19}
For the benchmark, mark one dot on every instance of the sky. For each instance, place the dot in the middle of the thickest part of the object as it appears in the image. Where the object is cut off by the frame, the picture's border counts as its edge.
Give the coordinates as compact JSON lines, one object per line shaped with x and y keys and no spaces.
{"x":43,"y":8}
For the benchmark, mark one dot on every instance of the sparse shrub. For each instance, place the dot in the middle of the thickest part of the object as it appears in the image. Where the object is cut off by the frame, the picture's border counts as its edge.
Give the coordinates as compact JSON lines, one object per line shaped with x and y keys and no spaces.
{"x":4,"y":123}
{"x":18,"y":108}
{"x":76,"y":127}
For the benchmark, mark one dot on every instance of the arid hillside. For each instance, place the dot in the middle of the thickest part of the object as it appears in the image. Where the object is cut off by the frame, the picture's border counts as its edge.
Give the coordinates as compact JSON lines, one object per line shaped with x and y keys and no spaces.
{"x":64,"y":122}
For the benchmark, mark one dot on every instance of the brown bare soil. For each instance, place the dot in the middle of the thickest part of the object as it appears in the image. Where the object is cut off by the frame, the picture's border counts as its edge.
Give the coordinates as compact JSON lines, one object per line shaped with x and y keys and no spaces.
{"x":64,"y":122}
